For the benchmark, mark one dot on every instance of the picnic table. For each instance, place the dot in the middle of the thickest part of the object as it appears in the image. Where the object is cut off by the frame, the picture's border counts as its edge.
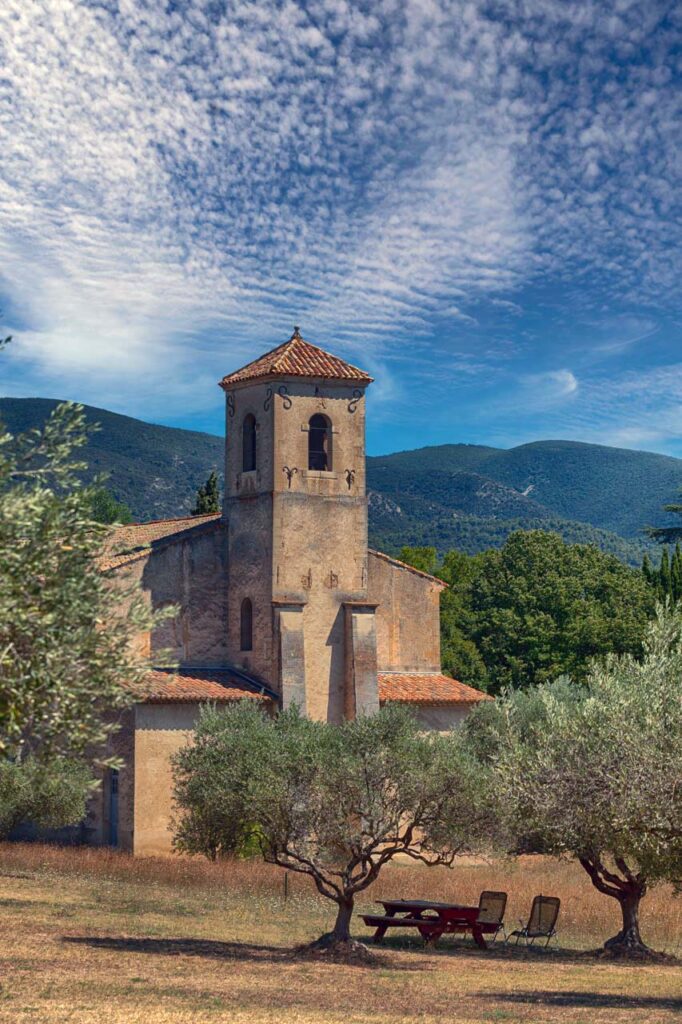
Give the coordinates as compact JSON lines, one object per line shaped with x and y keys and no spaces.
{"x":431,"y":919}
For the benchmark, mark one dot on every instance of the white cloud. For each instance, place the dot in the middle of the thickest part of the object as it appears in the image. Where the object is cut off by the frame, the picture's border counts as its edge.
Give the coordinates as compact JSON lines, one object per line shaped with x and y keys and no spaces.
{"x":543,"y":390}
{"x":632,"y":409}
{"x":180,"y":182}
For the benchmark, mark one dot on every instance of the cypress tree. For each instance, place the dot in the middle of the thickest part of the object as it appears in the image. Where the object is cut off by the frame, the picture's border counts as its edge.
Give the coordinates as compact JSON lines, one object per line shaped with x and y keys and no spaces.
{"x":647,"y":570}
{"x":208,"y":497}
{"x":676,"y":573}
{"x":664,"y":577}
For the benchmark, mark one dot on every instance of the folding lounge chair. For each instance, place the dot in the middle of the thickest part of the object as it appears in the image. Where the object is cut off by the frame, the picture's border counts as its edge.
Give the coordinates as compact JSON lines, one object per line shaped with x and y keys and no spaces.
{"x":491,"y":908}
{"x":541,"y":923}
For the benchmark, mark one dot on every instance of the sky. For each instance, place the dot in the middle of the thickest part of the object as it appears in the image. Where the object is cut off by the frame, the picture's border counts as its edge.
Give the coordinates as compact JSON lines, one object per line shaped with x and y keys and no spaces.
{"x":477,"y":202}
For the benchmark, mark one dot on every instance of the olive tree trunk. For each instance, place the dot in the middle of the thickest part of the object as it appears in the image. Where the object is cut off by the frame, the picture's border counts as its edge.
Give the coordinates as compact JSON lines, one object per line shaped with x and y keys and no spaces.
{"x":628,"y":888}
{"x":628,"y":939}
{"x":341,"y":930}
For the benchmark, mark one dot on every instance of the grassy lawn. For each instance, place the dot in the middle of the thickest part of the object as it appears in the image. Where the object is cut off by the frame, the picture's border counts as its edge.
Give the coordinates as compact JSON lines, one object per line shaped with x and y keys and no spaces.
{"x":90,"y":936}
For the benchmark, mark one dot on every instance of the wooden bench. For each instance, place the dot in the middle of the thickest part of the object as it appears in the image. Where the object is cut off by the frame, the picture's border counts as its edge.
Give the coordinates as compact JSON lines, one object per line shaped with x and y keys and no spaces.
{"x":426,"y":926}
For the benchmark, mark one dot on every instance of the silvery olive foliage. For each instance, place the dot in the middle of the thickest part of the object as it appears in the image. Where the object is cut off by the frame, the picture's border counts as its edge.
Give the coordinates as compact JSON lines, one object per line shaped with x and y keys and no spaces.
{"x":67,"y":659}
{"x":336,"y":802}
{"x":595,"y":771}
{"x":50,"y":794}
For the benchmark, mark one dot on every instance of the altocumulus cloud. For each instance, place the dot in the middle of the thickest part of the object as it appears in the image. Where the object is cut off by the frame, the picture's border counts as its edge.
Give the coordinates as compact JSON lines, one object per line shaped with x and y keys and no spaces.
{"x":175,"y":174}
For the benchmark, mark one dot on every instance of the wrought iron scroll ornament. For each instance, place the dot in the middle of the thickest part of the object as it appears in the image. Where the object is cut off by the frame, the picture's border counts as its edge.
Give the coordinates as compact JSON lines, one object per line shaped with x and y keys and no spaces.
{"x":230,"y":404}
{"x":283,"y":393}
{"x":350,"y":477}
{"x":290,"y":473}
{"x":353,"y":404}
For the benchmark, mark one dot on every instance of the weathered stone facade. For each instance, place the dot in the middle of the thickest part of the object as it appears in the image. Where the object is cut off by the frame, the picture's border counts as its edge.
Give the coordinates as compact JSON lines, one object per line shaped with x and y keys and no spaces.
{"x":280,"y":599}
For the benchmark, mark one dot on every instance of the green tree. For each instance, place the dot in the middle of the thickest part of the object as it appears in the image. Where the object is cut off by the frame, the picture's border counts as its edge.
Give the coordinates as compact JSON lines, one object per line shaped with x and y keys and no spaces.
{"x":648,"y":570}
{"x":667,"y":534}
{"x":50,"y":793}
{"x":208,"y":497}
{"x":664,"y":575}
{"x":336,"y":802}
{"x":665,"y":580}
{"x":67,"y":662}
{"x":106,"y":509}
{"x":595,"y":771}
{"x":541,"y":608}
{"x":423,"y":558}
{"x":676,"y":574}
{"x":460,"y":657}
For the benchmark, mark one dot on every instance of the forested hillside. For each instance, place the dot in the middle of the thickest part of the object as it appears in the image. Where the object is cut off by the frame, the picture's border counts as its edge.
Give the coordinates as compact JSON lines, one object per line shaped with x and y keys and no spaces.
{"x":153,"y":470}
{"x":612,"y":488}
{"x":469,"y":497}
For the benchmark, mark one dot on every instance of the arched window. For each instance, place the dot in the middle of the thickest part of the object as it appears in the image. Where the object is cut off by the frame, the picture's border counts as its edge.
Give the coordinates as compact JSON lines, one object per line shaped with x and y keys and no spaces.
{"x":319,"y":442}
{"x":249,"y":443}
{"x":246,"y":626}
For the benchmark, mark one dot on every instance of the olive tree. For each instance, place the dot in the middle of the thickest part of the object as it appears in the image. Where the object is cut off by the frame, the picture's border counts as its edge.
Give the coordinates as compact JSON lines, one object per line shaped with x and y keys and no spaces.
{"x":335,"y":802}
{"x":50,"y":794}
{"x":595,"y":771}
{"x":67,"y":658}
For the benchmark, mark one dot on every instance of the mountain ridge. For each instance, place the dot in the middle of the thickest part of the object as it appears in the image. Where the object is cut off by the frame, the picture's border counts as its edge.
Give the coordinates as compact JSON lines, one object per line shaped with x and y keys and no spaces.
{"x":464,"y":495}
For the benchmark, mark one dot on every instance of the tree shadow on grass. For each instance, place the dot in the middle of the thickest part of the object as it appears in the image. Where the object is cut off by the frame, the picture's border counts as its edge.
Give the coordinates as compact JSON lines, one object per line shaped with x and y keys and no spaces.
{"x":211,"y":949}
{"x":591,"y":1000}
{"x":499,"y":951}
{"x":208,"y":948}
{"x":495,"y":951}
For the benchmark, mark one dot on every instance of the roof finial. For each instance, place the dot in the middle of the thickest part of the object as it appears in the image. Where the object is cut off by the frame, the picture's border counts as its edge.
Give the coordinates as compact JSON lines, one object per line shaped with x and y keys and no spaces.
{"x":297,"y":332}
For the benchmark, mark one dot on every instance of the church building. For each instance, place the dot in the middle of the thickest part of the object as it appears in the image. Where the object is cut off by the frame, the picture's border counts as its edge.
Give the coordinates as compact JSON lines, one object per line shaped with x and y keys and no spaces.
{"x":280,"y":599}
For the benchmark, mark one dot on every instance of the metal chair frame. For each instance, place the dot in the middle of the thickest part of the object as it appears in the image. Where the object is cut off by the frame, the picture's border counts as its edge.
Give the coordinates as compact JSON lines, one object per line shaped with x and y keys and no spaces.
{"x":528,"y":933}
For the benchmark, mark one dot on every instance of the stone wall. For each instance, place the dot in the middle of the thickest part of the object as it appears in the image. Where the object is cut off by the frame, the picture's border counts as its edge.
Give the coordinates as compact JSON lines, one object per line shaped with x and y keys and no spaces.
{"x":160,"y":730}
{"x":189,"y":571}
{"x":320,"y":530}
{"x":408,"y":616}
{"x":248,"y":512}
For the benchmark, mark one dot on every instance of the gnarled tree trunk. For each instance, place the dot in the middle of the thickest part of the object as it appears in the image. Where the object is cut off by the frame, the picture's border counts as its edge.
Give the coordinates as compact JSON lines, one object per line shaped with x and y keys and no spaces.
{"x":628,"y":939}
{"x":341,"y":932}
{"x":628,"y":888}
{"x":338,"y":944}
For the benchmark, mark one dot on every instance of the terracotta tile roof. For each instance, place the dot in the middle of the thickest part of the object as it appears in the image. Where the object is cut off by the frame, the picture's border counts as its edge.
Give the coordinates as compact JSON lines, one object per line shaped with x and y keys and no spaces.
{"x":409,"y":688}
{"x":410,"y":568}
{"x":190,"y":685}
{"x":128,"y":543}
{"x":297,"y":358}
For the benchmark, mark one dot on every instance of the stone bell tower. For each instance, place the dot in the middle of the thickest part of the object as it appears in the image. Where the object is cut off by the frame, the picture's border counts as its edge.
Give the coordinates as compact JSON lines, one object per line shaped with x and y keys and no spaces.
{"x":296,"y":514}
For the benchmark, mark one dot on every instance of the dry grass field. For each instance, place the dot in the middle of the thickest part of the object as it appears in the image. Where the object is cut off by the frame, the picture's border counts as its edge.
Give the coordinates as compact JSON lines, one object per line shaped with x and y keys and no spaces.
{"x":91,"y":936}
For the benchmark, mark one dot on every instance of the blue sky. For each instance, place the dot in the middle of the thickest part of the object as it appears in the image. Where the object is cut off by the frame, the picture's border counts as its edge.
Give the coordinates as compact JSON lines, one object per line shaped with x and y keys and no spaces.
{"x":478,"y":202}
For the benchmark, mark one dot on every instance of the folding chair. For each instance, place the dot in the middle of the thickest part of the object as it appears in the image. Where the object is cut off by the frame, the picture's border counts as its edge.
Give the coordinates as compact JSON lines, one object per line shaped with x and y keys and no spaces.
{"x":491,"y":908}
{"x":541,"y":923}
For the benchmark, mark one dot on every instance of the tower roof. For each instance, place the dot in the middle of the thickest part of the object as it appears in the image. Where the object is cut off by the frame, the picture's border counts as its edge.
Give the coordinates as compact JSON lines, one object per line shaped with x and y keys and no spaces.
{"x":297,"y":358}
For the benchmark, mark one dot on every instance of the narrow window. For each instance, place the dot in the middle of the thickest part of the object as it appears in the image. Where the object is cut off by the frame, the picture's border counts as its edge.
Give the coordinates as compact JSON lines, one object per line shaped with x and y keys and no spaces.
{"x":319,"y":443}
{"x":249,"y":443}
{"x":246,"y":626}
